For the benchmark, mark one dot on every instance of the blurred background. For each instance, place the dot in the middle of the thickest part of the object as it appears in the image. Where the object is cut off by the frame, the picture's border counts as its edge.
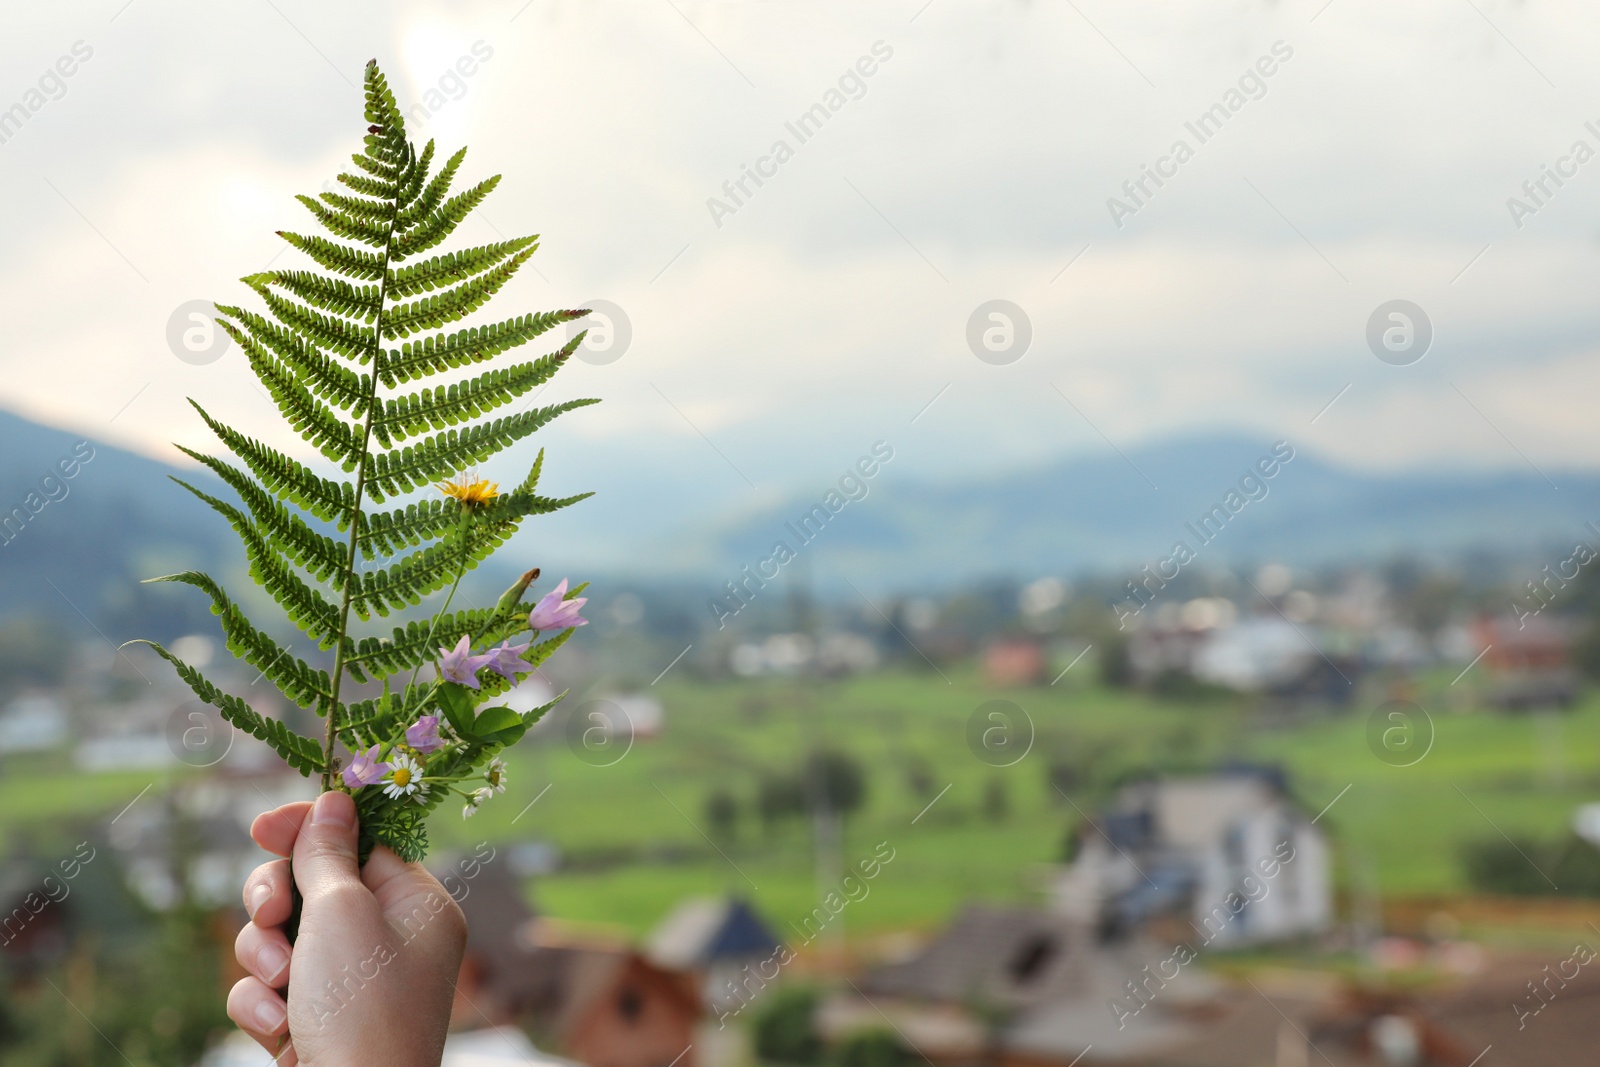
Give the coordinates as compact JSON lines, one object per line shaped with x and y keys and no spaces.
{"x":1092,"y":554}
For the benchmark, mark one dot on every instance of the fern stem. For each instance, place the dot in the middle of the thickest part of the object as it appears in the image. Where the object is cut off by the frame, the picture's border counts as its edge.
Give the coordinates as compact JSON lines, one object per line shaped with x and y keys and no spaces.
{"x":355,"y":515}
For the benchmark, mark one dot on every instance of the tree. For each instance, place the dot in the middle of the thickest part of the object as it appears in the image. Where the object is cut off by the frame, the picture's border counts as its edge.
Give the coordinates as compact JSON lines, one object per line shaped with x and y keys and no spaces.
{"x":722,"y":813}
{"x":872,"y":1048}
{"x":835,"y":779}
{"x":785,"y":1028}
{"x":779,"y":797}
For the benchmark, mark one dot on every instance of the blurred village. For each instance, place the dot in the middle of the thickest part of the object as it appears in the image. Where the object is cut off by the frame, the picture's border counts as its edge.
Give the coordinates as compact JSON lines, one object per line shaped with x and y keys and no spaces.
{"x":1195,"y":914}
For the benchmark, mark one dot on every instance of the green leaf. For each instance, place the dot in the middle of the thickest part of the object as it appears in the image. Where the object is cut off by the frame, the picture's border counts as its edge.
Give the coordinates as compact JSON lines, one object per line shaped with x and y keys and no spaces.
{"x":441,"y":223}
{"x":456,"y":702}
{"x":314,"y":339}
{"x":301,"y":753}
{"x":327,"y":500}
{"x":443,"y":271}
{"x":497,"y":720}
{"x":437,"y":408}
{"x":303,"y":684}
{"x":443,"y":455}
{"x":438,"y":353}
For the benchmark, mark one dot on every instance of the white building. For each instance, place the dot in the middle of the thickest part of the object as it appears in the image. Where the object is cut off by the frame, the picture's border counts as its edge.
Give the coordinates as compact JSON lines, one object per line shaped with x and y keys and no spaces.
{"x":1228,"y":855}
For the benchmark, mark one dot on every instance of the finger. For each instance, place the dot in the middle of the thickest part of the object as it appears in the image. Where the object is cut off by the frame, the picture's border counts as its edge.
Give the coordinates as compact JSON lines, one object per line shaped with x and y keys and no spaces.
{"x":406,"y":891}
{"x":391,"y":879}
{"x":266,"y":894}
{"x":276,"y":830}
{"x":264,"y":953}
{"x":258,"y":1011}
{"x":325,"y":850}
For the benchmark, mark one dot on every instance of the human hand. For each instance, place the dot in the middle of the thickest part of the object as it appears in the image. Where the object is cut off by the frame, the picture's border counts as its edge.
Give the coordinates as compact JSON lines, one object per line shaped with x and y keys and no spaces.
{"x":372,"y":972}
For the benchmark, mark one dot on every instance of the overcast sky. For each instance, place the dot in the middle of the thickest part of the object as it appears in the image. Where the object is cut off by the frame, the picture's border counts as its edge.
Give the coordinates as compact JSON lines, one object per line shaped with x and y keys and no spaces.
{"x":772,"y":344}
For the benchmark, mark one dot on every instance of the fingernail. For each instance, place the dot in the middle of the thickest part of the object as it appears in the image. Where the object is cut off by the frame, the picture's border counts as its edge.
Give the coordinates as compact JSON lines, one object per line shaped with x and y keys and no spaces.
{"x":269,"y":1015}
{"x":334,"y":808}
{"x":270,"y":962}
{"x":259,"y":896}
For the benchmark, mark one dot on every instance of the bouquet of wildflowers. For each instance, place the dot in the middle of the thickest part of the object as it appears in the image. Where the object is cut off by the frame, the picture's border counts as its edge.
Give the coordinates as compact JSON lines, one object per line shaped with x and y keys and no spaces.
{"x":336,"y":349}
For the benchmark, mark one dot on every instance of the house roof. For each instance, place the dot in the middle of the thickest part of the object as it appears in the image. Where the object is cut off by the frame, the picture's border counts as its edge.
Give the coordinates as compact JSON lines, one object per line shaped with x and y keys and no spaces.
{"x":1011,"y":957}
{"x":700,"y":932}
{"x":568,"y":979}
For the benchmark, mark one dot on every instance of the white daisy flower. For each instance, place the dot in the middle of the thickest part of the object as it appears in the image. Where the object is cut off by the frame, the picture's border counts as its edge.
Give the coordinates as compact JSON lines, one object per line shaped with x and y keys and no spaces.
{"x":404,"y":777}
{"x":495,"y":775}
{"x":474,"y":802}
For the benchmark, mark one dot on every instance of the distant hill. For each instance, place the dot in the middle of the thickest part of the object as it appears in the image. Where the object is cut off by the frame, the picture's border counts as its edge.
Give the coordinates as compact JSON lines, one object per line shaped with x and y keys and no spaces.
{"x":121,"y":521}
{"x":75,"y":548}
{"x":1109,"y":511}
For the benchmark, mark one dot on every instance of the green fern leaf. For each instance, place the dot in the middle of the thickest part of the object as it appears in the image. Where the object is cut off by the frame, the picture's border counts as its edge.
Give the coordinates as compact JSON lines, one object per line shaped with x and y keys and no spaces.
{"x":444,"y":406}
{"x":301,"y":753}
{"x":442,"y":271}
{"x":328,"y":500}
{"x":317,"y":348}
{"x":436,"y":354}
{"x":321,"y":373}
{"x":453,"y":305}
{"x":330,"y":294}
{"x":442,"y":222}
{"x":342,"y":259}
{"x":401,"y":470}
{"x":303,"y":684}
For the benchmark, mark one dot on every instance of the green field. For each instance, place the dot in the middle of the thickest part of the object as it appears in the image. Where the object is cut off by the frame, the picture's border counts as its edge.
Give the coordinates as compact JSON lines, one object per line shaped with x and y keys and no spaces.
{"x":631,"y":834}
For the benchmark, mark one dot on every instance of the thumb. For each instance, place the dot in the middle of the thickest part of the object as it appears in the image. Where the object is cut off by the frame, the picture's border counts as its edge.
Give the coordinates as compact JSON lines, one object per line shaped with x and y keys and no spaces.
{"x":325,"y":851}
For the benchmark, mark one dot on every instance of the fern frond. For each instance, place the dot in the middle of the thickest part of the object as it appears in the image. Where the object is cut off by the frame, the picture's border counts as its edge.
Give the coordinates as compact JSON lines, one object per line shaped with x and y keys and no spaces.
{"x":341,"y":259}
{"x":432,"y":194}
{"x":303,"y":684}
{"x":442,"y":455}
{"x":331,"y":332}
{"x":452,"y":267}
{"x":322,"y":374}
{"x":442,"y":222}
{"x":318,"y":347}
{"x":438,"y":353}
{"x":444,"y":406}
{"x":301,"y":753}
{"x":330,"y":294}
{"x":452,"y":305}
{"x":328,"y":500}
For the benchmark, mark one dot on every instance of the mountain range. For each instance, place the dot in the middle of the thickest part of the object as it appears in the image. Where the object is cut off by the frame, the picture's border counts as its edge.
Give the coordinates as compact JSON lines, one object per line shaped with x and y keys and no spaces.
{"x":73,"y":548}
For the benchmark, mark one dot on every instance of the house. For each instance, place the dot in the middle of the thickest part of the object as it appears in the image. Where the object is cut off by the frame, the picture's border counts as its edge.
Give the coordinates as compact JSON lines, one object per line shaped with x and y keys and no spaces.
{"x":1217,"y":861}
{"x":1014,"y":662}
{"x":589,"y":999}
{"x":1528,"y":661}
{"x":716,"y":940}
{"x":1016,"y":986}
{"x":608,"y":1006}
